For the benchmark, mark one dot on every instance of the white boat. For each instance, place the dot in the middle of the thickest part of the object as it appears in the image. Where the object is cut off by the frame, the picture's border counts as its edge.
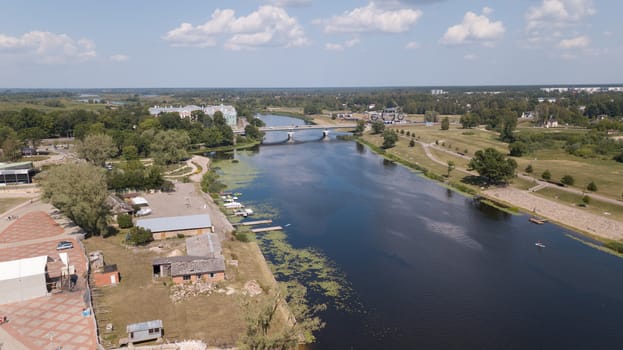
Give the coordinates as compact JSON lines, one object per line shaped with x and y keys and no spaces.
{"x":539,"y":244}
{"x":233,"y":205}
{"x":249,"y":211}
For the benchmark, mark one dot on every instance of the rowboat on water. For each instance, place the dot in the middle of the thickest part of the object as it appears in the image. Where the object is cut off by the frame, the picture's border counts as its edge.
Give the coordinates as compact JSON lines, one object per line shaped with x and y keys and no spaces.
{"x":539,"y":244}
{"x":537,"y":220}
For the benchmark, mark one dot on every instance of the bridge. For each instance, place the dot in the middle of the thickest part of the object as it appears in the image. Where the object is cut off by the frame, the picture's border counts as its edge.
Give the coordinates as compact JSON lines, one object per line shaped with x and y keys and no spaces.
{"x":292,"y":128}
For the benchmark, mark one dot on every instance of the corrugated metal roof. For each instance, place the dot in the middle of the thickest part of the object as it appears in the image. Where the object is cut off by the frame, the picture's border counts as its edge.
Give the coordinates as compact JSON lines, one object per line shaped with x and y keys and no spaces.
{"x":207,"y":245}
{"x":139,"y":201}
{"x":176,"y":223}
{"x":23,"y":267}
{"x":136,"y":327}
{"x":197,"y":267}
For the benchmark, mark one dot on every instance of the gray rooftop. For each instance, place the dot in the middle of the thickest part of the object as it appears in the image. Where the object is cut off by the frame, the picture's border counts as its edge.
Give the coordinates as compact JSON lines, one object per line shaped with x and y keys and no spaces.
{"x":136,"y":327}
{"x":197,"y":267}
{"x":176,"y":223}
{"x":206,"y":245}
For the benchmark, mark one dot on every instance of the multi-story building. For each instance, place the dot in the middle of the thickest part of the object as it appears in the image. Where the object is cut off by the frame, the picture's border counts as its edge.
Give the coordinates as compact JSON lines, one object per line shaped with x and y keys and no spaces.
{"x":229,"y":112}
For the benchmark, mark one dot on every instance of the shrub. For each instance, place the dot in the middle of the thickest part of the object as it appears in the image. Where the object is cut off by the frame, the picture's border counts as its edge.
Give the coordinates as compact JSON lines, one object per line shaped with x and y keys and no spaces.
{"x":243,"y":237}
{"x":614,"y":245}
{"x":402,"y":131}
{"x":180,"y":235}
{"x":124,"y":221}
{"x":139,"y":235}
{"x":586,"y":199}
{"x":408,"y":133}
{"x":529,"y":169}
{"x":546,"y":175}
{"x":591,"y":187}
{"x":411,"y":143}
{"x":567,"y":180}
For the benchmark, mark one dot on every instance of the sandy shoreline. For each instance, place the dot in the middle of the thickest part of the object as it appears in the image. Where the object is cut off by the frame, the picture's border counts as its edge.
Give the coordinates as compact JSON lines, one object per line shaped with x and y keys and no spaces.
{"x":574,"y":218}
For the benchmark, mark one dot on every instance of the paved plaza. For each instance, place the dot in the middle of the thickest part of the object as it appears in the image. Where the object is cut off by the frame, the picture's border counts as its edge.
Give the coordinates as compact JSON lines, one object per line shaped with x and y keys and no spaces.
{"x":55,"y":320}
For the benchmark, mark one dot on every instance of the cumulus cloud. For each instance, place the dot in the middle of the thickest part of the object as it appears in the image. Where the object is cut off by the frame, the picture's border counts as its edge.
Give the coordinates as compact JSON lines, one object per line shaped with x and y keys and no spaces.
{"x":267,"y":26}
{"x":290,"y":3}
{"x":556,"y":13}
{"x":475,"y":28}
{"x":119,"y":58}
{"x":49,"y":48}
{"x":342,"y":46}
{"x":372,"y":18}
{"x":579,"y":42}
{"x":412,"y":45}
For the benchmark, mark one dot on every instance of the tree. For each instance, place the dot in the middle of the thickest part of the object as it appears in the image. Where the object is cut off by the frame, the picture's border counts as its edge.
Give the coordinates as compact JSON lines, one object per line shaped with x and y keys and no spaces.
{"x":412,"y":143}
{"x":124,"y":221}
{"x":592,"y":187}
{"x":445,"y":123}
{"x":311,"y":109}
{"x":389,"y":138}
{"x":431,"y":116}
{"x":359,"y":129}
{"x":509,"y":123}
{"x":130,"y":152}
{"x":169,"y":146}
{"x":567,"y":180}
{"x":97,"y":148}
{"x":253,"y":132}
{"x":546,"y":175}
{"x":139,"y":236}
{"x":586,"y":200}
{"x":378,"y":126}
{"x":79,"y":191}
{"x":264,"y":331}
{"x":451,"y":167}
{"x":517,"y":148}
{"x":529,"y":169}
{"x":493,"y":165}
{"x":11,"y":149}
{"x":469,"y":120}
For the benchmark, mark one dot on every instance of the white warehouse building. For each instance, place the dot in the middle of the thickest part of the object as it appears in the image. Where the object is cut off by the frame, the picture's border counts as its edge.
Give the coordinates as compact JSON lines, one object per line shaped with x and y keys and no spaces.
{"x":23,"y":279}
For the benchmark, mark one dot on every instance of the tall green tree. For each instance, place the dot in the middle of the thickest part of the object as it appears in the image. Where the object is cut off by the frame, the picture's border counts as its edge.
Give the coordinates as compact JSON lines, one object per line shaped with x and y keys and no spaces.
{"x":78,"y":190}
{"x":97,"y":148}
{"x":389,"y":138}
{"x":378,"y":126}
{"x":445,"y":123}
{"x":361,"y":126}
{"x":493,"y":165}
{"x":169,"y":146}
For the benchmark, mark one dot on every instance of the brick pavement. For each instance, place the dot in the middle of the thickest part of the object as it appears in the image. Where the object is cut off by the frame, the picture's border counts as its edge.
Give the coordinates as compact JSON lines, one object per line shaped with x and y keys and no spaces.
{"x":55,"y":320}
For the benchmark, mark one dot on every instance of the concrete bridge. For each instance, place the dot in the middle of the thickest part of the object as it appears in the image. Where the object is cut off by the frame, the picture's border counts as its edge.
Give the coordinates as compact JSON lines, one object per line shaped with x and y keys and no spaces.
{"x":292,"y":128}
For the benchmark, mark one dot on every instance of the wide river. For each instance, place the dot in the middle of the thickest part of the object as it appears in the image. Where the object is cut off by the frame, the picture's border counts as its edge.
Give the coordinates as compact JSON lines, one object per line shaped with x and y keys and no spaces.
{"x":430,"y":268}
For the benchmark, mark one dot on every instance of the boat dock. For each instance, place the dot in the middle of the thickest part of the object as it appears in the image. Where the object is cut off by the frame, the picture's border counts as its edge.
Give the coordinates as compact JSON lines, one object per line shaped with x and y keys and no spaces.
{"x":251,"y":223}
{"x":266,"y":229}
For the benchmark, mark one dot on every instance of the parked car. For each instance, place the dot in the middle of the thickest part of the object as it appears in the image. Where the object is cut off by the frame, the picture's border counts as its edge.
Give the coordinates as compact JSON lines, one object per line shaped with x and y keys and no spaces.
{"x":62,"y":245}
{"x":143,"y":211}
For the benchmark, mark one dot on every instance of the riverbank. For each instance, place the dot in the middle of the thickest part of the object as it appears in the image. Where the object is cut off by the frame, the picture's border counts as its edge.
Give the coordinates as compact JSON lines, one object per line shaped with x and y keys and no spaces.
{"x":589,"y":224}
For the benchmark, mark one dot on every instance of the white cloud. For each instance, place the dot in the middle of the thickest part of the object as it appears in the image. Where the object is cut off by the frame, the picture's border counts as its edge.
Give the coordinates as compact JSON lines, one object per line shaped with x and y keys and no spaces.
{"x":412,"y":45}
{"x":290,"y":3}
{"x":475,"y":28}
{"x":267,"y":26}
{"x":119,"y":58}
{"x":370,"y":19}
{"x":47,"y":47}
{"x":579,"y":42}
{"x":333,"y":47}
{"x":470,"y":57}
{"x":557,"y":13}
{"x":341,"y":47}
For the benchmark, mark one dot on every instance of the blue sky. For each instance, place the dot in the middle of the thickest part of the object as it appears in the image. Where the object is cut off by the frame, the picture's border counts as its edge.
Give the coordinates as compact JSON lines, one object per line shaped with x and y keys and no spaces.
{"x":306,"y":43}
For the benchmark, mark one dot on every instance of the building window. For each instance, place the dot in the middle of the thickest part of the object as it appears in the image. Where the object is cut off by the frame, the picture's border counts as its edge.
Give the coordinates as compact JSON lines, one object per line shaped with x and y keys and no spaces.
{"x":211,"y":274}
{"x":186,"y":277}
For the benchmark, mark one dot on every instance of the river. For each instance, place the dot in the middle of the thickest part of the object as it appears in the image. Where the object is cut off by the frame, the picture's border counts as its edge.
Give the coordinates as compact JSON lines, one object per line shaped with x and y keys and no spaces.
{"x":430,"y":268}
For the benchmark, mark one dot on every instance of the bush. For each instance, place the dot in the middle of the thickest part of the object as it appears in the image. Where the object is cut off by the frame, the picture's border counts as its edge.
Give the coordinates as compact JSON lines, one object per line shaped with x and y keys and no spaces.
{"x":586,"y":199}
{"x":180,"y":235}
{"x":243,"y":237}
{"x":529,"y":169}
{"x":591,"y":187}
{"x":124,"y":221}
{"x":614,"y":245}
{"x":411,"y":143}
{"x":567,"y":180}
{"x":139,"y":235}
{"x":546,"y":175}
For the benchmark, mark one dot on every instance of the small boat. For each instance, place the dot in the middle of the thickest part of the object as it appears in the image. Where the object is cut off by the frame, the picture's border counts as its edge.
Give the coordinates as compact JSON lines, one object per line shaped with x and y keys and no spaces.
{"x":286,"y":225}
{"x":537,"y":220}
{"x":237,"y":194}
{"x":539,"y":244}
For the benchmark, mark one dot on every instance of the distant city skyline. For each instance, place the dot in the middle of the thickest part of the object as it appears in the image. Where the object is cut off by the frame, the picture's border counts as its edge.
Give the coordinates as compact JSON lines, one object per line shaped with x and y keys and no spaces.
{"x":309,"y":43}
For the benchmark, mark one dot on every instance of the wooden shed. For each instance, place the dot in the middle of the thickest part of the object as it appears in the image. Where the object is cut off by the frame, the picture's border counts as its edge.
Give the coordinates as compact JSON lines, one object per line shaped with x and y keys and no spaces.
{"x":144,"y":331}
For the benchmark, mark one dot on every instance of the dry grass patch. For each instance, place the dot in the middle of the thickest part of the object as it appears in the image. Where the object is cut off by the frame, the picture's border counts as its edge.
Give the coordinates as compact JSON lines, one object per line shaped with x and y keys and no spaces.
{"x":597,"y":207}
{"x":8,"y":203}
{"x":217,"y":319}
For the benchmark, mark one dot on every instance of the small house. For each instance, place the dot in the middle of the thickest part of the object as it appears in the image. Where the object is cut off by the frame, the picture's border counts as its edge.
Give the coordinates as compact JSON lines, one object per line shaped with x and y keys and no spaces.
{"x":188,"y":269}
{"x":144,"y":331}
{"x":108,"y":275}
